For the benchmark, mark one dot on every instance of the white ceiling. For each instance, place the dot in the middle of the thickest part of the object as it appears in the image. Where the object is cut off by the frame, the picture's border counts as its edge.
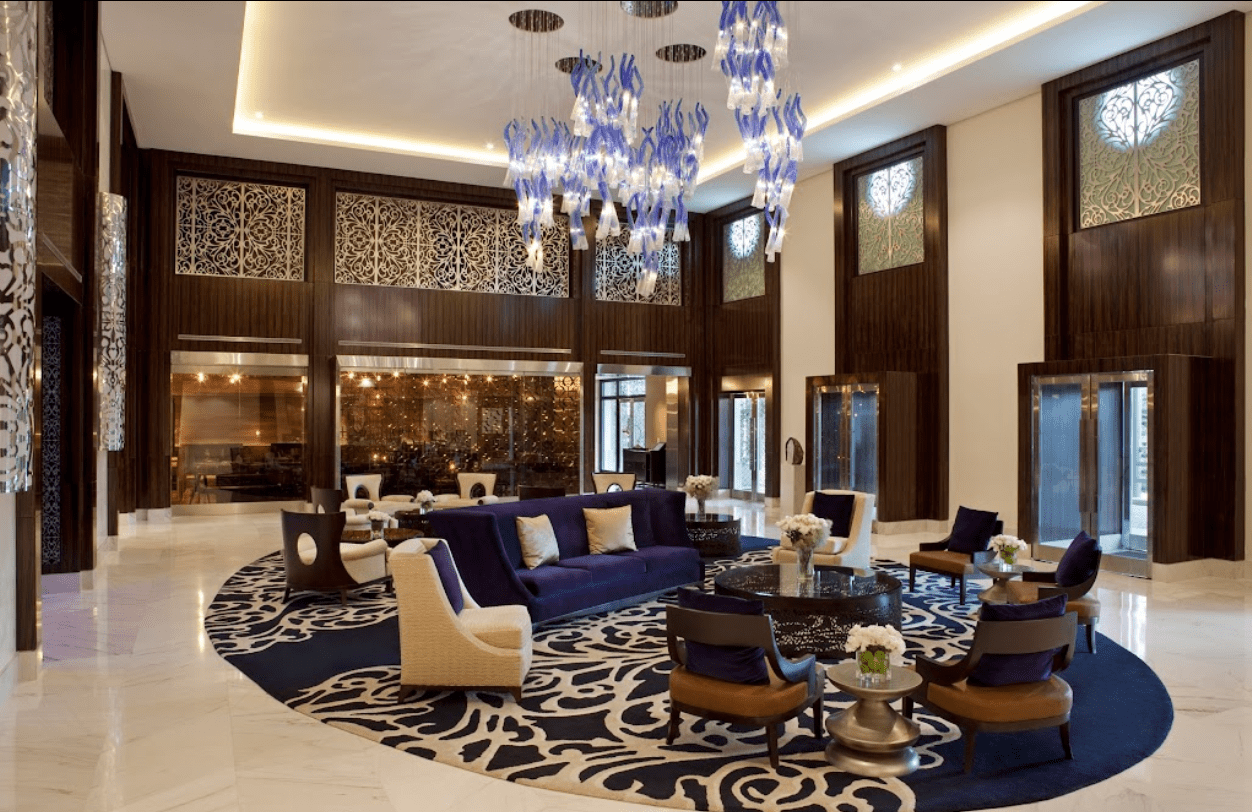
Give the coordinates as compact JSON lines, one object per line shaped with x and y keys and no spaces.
{"x":425,"y":87}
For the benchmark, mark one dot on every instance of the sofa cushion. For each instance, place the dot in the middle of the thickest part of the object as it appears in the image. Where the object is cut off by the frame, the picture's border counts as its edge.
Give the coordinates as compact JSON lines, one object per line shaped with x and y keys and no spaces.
{"x":1011,"y":669}
{"x":552,"y":580}
{"x":538,"y":541}
{"x":741,"y":664}
{"x":442,"y":558}
{"x":1079,"y":562}
{"x":609,"y":530}
{"x":605,"y":568}
{"x":972,"y":530}
{"x":838,"y":508}
{"x":665,"y":558}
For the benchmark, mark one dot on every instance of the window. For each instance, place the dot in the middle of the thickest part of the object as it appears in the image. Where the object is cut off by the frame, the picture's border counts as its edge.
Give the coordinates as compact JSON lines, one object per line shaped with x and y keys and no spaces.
{"x":1139,"y":147}
{"x":890,"y":217}
{"x":622,"y":419}
{"x":743,"y":259}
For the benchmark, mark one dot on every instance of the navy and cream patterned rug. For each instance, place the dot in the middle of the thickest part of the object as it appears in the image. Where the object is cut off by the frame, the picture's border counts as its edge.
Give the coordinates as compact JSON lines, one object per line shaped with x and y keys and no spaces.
{"x":594,"y":714}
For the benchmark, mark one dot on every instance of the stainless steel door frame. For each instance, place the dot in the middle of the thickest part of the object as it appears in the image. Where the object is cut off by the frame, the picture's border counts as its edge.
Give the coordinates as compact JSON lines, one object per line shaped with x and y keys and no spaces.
{"x":757,"y":400}
{"x":1089,"y":445}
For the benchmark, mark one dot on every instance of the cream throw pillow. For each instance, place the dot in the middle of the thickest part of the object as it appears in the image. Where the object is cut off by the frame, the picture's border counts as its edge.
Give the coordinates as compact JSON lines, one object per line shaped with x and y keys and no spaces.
{"x":538,"y":541}
{"x":609,"y":530}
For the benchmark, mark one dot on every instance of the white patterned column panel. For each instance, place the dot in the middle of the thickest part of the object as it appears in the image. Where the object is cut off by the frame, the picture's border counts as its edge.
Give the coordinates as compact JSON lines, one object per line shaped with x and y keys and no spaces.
{"x":249,"y":230}
{"x":111,"y":257}
{"x":18,"y":130}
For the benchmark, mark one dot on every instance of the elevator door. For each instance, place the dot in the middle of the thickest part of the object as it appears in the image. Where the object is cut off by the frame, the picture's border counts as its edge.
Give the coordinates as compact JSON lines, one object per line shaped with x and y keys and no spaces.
{"x":747,"y":444}
{"x":1092,"y":466}
{"x":845,"y":442}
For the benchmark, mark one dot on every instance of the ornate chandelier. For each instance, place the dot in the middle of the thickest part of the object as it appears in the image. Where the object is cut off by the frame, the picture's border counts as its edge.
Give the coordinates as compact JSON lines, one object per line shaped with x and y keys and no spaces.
{"x":750,"y":51}
{"x":652,"y":171}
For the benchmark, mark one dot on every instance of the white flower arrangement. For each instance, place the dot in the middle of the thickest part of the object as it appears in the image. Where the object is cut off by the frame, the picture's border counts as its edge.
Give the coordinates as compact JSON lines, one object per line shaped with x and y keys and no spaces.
{"x":805,"y":530}
{"x":378,"y":516}
{"x":885,"y":637}
{"x":424,"y":498}
{"x":1013,"y":544}
{"x":701,"y":486}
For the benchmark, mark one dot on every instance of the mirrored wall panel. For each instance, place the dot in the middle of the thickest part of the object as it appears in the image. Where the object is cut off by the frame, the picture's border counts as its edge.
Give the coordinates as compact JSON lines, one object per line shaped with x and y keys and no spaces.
{"x":420,"y":429}
{"x":239,"y":433}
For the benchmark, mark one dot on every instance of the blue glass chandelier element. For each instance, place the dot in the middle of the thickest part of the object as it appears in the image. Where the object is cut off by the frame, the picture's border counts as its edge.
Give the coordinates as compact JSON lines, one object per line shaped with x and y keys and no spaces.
{"x":751,"y":48}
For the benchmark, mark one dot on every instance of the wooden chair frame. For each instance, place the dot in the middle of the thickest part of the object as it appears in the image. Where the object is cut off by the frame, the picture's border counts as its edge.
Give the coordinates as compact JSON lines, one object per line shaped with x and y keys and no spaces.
{"x":935,"y":546}
{"x":1000,"y":637}
{"x":718,"y":629}
{"x":327,"y":572}
{"x":1071,"y":593}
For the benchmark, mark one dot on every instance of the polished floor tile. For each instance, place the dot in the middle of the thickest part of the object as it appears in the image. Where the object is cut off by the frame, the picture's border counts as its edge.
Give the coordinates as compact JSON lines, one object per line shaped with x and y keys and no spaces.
{"x":132,"y":710}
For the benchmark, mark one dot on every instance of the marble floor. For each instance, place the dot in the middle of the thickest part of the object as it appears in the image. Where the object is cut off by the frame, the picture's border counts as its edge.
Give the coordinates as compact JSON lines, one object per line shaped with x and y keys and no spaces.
{"x":129,"y":708}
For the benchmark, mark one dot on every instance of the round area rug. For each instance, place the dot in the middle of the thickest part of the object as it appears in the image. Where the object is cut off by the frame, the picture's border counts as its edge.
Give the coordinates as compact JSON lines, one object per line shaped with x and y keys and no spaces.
{"x":596,"y":704}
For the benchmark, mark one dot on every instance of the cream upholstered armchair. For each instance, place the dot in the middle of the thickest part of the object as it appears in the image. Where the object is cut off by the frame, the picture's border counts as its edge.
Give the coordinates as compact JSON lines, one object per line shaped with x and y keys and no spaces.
{"x":447,"y":641}
{"x":474,"y":489}
{"x":850,"y":551}
{"x":369,"y":484}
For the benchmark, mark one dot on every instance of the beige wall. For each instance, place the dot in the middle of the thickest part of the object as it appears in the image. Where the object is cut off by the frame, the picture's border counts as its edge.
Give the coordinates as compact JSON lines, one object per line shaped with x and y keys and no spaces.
{"x":995,"y":296}
{"x":808,"y":316}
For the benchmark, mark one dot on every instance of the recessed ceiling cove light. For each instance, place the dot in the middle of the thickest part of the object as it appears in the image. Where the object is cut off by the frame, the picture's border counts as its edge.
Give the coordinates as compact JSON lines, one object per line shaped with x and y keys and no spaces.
{"x":536,"y":21}
{"x":566,"y":64}
{"x":682,"y":52}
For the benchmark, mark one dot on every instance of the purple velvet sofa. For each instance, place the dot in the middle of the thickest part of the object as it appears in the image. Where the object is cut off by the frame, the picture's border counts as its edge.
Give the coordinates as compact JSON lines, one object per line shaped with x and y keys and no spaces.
{"x":488,"y":554}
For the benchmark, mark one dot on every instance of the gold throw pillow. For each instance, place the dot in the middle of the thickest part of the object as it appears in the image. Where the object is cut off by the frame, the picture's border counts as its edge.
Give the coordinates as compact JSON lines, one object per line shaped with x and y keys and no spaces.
{"x":609,"y":530}
{"x":538,"y":541}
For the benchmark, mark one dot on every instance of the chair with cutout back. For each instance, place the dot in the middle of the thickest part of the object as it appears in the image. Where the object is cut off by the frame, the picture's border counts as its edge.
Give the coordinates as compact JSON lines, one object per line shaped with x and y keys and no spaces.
{"x":606,"y":481}
{"x":330,"y":500}
{"x":317,"y":560}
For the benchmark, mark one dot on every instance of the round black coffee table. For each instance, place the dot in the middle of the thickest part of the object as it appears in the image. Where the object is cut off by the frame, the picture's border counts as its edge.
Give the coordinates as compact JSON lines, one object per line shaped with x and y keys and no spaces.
{"x":714,"y":534}
{"x":816,"y":619}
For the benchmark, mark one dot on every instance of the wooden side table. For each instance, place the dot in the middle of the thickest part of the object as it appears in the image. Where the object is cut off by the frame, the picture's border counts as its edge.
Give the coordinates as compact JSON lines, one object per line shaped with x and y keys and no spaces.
{"x":871,"y":738}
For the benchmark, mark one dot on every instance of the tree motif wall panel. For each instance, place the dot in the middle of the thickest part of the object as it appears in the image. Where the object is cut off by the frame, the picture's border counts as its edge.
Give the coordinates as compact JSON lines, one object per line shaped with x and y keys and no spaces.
{"x":249,"y":230}
{"x":1139,"y":147}
{"x":743,"y":259}
{"x":436,"y":246}
{"x":617,"y":271}
{"x":890,"y":217}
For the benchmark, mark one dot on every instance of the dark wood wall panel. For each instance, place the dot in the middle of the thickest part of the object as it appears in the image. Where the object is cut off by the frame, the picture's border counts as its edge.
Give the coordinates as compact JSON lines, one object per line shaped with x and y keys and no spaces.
{"x":1171,"y":283}
{"x":332,"y":319}
{"x":897,"y":320}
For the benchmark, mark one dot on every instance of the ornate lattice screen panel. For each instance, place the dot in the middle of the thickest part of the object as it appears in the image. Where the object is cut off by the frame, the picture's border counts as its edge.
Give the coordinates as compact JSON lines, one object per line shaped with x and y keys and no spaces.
{"x":890,"y":217}
{"x":743,"y":259}
{"x":617,"y":272}
{"x":248,"y":230}
{"x":1139,"y":147}
{"x":437,"y":246}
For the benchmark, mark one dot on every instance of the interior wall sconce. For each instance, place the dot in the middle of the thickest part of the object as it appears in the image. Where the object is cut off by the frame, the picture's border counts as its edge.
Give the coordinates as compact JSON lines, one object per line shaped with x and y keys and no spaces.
{"x":111,"y":264}
{"x":19,"y":36}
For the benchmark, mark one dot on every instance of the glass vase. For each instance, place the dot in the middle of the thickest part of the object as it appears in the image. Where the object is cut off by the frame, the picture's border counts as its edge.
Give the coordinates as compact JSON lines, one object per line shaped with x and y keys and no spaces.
{"x":873,"y":666}
{"x":804,"y":566}
{"x":376,"y":529}
{"x":1008,"y":557}
{"x":700,"y":500}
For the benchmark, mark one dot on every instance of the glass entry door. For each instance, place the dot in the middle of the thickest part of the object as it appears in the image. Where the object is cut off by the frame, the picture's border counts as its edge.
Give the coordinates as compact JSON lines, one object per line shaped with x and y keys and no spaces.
{"x":1092,"y":465}
{"x":747,"y":444}
{"x":845,"y":441}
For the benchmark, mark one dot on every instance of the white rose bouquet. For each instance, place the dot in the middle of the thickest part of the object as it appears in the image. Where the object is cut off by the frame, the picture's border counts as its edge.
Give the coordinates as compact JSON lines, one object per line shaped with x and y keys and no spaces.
{"x":874,"y":646}
{"x":425,"y":499}
{"x":804,"y":530}
{"x":1008,"y":547}
{"x":701,"y":486}
{"x":378,"y":516}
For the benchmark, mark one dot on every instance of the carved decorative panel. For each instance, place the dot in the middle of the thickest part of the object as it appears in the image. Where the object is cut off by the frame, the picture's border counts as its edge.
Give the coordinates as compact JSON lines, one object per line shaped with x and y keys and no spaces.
{"x":890,"y":217}
{"x":53,"y":360}
{"x":437,"y":246}
{"x":249,"y":230}
{"x":1139,"y":147}
{"x":111,"y":257}
{"x":18,"y":109}
{"x":617,"y":271}
{"x":743,"y":259}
